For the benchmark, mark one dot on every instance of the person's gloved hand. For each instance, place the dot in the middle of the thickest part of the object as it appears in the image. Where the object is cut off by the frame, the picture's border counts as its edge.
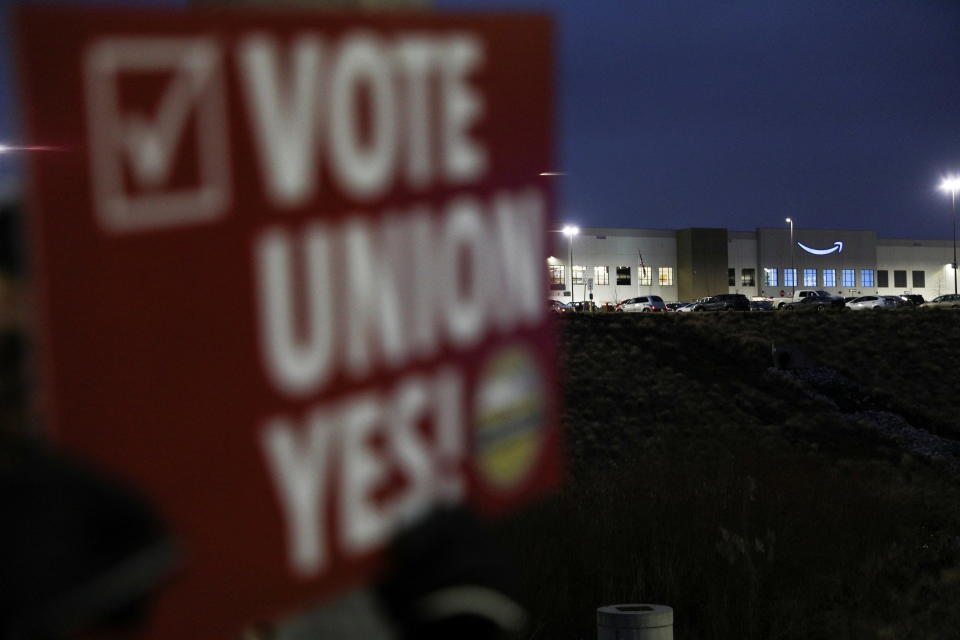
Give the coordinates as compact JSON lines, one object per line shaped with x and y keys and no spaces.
{"x":448,"y":580}
{"x":77,"y":550}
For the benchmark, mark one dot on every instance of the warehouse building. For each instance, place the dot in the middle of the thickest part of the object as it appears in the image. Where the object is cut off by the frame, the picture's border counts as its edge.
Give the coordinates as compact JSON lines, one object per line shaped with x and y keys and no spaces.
{"x":687,"y":264}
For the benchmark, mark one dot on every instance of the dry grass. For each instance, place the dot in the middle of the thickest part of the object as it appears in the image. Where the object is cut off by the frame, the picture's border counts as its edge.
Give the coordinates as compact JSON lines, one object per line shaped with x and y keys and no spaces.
{"x":699,"y":480}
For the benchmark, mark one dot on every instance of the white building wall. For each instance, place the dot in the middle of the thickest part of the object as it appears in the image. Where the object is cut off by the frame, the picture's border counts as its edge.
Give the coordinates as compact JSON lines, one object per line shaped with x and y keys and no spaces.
{"x":933,"y":257}
{"x":853,"y":250}
{"x":611,"y":248}
{"x":742,"y":254}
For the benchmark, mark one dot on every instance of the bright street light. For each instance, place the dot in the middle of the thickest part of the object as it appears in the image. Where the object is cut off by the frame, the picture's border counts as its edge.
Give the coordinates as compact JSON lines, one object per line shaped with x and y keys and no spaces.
{"x":569,"y":230}
{"x":951,"y":184}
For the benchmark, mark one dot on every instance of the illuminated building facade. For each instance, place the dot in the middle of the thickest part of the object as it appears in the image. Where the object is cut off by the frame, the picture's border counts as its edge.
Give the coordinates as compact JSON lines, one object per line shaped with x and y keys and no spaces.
{"x":687,"y":264}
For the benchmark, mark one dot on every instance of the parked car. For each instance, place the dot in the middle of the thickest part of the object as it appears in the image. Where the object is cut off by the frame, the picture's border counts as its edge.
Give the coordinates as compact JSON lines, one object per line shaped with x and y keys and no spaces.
{"x":584,"y":306}
{"x":877,"y":303}
{"x":810,"y":303}
{"x":693,"y":306}
{"x":761,"y":305}
{"x":673,"y":306}
{"x":724,"y":302}
{"x":944,"y":302}
{"x":897,"y":301}
{"x":831,"y":300}
{"x":556,"y":306}
{"x":643,"y":304}
{"x":913,"y":299}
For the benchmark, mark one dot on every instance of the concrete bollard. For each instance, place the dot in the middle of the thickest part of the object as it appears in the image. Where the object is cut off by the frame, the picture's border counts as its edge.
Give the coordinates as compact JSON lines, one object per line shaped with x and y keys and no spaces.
{"x":635,"y":622}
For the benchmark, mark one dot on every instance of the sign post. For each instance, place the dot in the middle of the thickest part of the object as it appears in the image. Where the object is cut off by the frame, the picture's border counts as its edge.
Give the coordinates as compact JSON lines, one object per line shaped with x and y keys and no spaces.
{"x":290,"y":274}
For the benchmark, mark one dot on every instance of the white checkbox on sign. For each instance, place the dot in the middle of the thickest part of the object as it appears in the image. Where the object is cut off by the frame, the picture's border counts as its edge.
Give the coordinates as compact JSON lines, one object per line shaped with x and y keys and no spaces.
{"x":163,"y":164}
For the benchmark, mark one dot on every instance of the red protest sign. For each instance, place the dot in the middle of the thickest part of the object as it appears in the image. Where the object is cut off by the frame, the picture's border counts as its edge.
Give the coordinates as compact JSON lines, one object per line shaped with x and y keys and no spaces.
{"x":290,"y":274}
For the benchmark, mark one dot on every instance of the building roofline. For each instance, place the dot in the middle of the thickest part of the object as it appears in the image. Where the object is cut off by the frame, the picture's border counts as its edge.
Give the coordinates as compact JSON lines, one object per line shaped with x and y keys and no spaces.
{"x":661,"y":232}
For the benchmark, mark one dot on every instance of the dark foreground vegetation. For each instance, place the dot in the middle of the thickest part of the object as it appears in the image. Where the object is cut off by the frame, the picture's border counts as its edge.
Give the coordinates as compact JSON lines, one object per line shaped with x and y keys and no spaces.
{"x":757,"y":502}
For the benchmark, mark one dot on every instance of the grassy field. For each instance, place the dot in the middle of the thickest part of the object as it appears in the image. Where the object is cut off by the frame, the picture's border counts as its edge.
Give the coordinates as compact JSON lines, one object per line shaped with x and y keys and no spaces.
{"x":756,"y":506}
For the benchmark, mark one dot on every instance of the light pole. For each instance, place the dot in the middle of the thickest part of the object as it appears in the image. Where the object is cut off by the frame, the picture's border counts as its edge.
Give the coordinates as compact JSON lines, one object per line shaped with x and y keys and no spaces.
{"x":793,"y":266}
{"x":951,"y":184}
{"x":570,"y":231}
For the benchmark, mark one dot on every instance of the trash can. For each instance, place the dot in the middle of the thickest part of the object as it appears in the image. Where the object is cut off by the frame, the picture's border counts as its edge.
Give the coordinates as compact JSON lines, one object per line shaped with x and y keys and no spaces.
{"x":635,"y":622}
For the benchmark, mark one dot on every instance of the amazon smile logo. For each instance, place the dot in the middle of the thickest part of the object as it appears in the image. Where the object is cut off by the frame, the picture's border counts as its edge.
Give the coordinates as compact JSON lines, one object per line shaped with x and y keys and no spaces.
{"x":837,"y":246}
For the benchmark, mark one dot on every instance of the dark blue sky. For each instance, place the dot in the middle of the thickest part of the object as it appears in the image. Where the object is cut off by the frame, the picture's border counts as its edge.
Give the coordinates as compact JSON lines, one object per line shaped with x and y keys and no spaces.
{"x":677,"y":113}
{"x":838,"y":113}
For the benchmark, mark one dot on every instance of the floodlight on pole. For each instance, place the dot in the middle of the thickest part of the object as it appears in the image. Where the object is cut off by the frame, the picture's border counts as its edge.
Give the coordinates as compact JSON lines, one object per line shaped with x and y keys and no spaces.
{"x":793,"y":266}
{"x":951,"y":184}
{"x":569,"y":230}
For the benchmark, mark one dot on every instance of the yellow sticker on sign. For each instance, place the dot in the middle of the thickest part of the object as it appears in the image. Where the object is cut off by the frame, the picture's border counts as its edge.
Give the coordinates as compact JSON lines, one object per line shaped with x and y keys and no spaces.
{"x":510,"y":417}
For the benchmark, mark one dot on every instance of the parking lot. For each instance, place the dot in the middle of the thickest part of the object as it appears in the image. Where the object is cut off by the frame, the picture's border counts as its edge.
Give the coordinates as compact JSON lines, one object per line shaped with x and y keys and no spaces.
{"x":816,"y":302}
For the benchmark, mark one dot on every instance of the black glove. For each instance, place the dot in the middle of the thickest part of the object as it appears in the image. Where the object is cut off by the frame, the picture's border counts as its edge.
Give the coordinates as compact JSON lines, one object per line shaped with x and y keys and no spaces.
{"x":447,"y":579}
{"x":77,"y":550}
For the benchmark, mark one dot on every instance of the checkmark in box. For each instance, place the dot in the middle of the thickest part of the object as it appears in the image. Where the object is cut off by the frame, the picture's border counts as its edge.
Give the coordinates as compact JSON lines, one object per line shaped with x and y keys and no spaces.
{"x":136,"y":153}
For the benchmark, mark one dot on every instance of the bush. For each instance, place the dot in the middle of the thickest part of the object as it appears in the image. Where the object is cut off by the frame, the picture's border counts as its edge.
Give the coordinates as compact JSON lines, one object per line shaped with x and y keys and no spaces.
{"x":700,"y":480}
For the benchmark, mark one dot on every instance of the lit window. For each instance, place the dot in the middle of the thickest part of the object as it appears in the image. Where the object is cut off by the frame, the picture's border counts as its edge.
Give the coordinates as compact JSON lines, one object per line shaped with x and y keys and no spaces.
{"x":866,"y":277}
{"x":769,"y":277}
{"x":623,"y":275}
{"x":579,"y":274}
{"x":748,"y":277}
{"x":829,"y":277}
{"x":731,"y":277}
{"x":556,"y":274}
{"x":666,"y":276}
{"x":601,"y":275}
{"x":849,"y":277}
{"x":919,"y":278}
{"x":646,"y":276}
{"x":809,"y":277}
{"x":789,"y":277}
{"x":900,"y":279}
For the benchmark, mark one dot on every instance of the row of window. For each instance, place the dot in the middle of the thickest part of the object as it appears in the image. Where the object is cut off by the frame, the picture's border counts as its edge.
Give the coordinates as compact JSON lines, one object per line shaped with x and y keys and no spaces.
{"x":848,"y":278}
{"x":771,"y":277}
{"x":747,"y":277}
{"x":601,"y":275}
